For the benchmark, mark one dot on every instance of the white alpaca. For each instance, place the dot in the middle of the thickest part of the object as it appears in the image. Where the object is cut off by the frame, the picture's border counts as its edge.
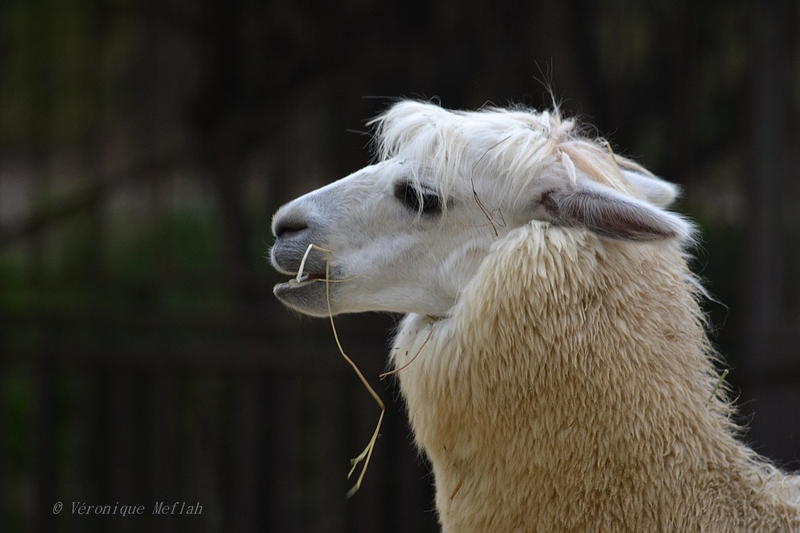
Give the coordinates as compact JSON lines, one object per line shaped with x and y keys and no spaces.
{"x":558,"y":374}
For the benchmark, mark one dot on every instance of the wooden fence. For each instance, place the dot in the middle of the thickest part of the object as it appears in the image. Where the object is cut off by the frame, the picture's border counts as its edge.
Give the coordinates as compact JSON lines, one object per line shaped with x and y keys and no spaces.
{"x":250,"y":418}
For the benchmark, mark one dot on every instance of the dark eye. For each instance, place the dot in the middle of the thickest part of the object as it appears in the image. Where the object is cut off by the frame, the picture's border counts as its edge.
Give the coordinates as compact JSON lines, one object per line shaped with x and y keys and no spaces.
{"x":416,"y":199}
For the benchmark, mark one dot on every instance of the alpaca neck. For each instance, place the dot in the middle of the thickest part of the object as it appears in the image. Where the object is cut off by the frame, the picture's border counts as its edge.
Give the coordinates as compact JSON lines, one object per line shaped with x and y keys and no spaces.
{"x":571,"y":383}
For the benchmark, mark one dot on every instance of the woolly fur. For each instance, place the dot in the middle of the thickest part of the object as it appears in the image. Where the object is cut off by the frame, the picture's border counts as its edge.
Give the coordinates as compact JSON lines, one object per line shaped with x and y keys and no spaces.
{"x":570,"y":391}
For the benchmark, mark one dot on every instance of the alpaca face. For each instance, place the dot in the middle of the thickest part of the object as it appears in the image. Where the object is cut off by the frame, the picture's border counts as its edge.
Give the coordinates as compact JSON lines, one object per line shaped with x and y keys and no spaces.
{"x":406,"y":234}
{"x":396,"y":244}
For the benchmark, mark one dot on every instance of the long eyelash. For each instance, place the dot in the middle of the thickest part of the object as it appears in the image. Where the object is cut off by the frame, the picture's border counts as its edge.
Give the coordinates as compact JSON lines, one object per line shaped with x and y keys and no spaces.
{"x":416,"y":199}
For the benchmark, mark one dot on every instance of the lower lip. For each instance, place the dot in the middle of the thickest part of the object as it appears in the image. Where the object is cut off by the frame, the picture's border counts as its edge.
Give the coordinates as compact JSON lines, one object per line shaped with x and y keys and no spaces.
{"x":295,"y":283}
{"x":305,"y":296}
{"x":291,"y":286}
{"x":305,"y":284}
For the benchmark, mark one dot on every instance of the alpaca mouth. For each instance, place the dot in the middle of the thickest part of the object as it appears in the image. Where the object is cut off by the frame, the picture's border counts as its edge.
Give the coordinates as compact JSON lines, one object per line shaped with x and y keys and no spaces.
{"x":310,"y":289}
{"x":309,"y":294}
{"x":300,"y":274}
{"x":306,"y":278}
{"x":299,"y":278}
{"x":303,"y":285}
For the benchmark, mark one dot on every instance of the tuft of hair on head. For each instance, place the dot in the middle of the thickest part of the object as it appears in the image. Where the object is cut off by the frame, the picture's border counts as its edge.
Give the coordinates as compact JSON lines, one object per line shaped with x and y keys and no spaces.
{"x":604,"y":192}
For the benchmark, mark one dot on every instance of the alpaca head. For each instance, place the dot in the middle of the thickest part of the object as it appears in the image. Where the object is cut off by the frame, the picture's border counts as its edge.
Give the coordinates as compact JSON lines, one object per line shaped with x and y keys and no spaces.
{"x":407,"y":233}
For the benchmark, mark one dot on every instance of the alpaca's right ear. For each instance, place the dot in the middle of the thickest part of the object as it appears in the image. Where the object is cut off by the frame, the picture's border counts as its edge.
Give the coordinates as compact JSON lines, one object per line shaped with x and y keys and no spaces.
{"x":611,"y":214}
{"x":655,"y":190}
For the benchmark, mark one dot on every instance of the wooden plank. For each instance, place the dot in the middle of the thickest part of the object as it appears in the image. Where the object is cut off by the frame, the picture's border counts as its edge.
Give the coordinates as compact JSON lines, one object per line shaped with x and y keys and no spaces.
{"x":325,"y":453}
{"x":284,"y":440}
{"x":203,"y":478}
{"x":165,"y":446}
{"x":45,"y":464}
{"x":202,"y":343}
{"x":120,"y":467}
{"x":246,"y":453}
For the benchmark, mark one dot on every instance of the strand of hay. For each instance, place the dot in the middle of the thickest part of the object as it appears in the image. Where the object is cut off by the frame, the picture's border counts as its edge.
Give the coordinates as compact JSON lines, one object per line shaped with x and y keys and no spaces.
{"x":716,"y":387}
{"x":367,"y":453}
{"x":396,"y":370}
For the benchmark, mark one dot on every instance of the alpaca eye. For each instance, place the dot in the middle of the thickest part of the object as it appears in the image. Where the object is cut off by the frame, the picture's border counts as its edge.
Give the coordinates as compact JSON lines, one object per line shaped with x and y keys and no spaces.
{"x":417,"y":200}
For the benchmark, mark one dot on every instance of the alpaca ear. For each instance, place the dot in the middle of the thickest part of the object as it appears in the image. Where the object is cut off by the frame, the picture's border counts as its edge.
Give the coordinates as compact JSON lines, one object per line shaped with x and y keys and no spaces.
{"x":612,"y":214}
{"x":655,"y":190}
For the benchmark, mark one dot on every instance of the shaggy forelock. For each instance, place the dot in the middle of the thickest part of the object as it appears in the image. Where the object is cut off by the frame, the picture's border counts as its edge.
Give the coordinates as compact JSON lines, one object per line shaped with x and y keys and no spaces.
{"x":514,"y":145}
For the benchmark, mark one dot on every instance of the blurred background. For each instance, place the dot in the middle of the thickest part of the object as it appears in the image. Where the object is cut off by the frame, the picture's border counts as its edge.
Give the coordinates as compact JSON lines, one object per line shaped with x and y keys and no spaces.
{"x":145,"y":144}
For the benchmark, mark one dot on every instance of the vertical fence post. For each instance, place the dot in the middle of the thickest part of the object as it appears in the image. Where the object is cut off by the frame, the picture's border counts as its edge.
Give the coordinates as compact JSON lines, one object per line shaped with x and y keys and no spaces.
{"x":285,"y":436}
{"x":768,"y":353}
{"x":44,"y":442}
{"x":165,"y":450}
{"x":247,"y":454}
{"x":120,"y":454}
{"x":325,"y":450}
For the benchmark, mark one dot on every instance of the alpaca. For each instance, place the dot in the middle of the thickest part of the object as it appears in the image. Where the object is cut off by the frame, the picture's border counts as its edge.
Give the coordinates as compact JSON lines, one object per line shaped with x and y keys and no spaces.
{"x":553,"y":356}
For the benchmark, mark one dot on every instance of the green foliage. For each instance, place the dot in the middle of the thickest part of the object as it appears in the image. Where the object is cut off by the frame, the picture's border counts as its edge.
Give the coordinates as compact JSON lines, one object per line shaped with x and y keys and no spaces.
{"x":173,"y":261}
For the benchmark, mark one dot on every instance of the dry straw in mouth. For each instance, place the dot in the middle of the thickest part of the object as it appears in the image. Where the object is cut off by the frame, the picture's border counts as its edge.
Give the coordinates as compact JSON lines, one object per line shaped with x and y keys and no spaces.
{"x":367,"y":453}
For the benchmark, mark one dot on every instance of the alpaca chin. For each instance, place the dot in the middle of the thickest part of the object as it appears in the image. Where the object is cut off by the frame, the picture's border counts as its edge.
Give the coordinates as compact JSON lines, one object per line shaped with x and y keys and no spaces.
{"x":309,"y":297}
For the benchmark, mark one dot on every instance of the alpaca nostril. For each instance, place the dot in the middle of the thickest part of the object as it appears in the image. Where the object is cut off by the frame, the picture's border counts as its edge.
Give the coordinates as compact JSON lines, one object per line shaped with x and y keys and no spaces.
{"x":282,"y":227}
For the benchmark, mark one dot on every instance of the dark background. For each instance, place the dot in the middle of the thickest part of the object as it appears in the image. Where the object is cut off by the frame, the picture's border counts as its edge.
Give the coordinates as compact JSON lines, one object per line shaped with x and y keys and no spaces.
{"x":145,"y":144}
